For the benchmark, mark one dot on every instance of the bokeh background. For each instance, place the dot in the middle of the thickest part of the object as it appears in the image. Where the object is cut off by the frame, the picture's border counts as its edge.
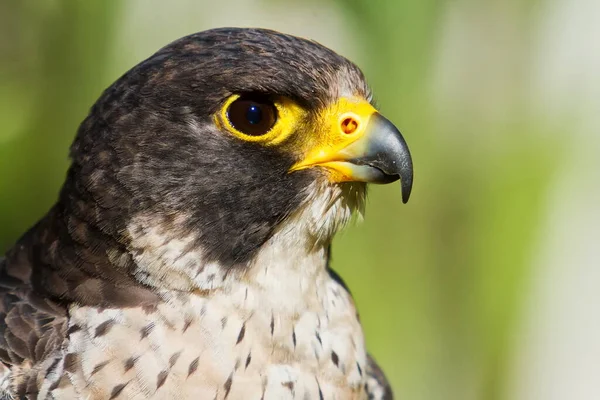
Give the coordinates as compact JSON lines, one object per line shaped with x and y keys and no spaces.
{"x":487,"y":284}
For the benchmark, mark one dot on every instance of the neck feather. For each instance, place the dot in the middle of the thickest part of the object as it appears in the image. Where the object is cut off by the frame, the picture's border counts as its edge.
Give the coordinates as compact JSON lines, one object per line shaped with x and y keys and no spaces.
{"x":297,"y":249}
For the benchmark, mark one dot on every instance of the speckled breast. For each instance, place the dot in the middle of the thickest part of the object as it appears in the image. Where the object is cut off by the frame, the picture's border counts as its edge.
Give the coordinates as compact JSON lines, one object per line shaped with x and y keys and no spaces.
{"x":239,"y":343}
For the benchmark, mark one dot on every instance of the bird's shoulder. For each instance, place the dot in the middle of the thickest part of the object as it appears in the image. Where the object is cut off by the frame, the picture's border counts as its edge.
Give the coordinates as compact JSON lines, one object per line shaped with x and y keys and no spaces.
{"x":32,"y":327}
{"x":377,"y":385}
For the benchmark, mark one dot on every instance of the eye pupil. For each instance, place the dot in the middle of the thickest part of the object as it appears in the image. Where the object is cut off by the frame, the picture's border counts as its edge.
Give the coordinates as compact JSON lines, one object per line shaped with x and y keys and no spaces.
{"x":252,"y":115}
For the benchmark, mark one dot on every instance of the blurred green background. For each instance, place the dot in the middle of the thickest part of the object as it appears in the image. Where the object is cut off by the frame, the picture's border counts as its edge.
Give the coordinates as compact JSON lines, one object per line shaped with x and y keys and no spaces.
{"x":486,"y":285}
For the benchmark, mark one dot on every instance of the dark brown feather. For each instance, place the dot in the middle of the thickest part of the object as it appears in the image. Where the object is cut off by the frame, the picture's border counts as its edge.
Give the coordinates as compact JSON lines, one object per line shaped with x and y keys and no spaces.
{"x":44,"y":272}
{"x":378,"y":388}
{"x":30,"y":326}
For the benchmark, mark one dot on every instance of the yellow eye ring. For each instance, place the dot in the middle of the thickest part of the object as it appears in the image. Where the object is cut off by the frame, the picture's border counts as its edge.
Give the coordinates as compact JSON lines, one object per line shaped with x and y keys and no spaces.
{"x":270,"y":130}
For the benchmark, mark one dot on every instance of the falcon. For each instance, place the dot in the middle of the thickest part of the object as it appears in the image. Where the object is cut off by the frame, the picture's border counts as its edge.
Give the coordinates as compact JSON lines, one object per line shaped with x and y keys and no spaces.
{"x":187,"y":256}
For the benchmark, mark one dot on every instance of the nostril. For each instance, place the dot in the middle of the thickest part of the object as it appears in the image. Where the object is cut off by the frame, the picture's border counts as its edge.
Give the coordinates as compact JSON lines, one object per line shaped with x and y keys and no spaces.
{"x":349,"y":125}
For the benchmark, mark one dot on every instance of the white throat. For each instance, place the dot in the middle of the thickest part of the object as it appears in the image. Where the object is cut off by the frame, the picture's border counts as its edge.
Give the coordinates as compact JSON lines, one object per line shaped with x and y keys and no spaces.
{"x":292,"y":259}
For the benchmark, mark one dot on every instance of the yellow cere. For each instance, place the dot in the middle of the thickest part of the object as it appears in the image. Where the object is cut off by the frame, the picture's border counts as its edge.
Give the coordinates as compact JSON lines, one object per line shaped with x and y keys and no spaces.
{"x":339,"y":125}
{"x":289,"y":116}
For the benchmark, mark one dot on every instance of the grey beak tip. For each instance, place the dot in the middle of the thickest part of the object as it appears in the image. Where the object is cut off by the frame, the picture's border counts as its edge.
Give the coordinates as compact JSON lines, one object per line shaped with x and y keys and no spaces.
{"x":406,"y":189}
{"x":406,"y":179}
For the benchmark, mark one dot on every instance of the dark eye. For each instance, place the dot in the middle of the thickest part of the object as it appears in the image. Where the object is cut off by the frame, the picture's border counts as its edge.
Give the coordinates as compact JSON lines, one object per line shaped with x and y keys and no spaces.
{"x":252,"y":115}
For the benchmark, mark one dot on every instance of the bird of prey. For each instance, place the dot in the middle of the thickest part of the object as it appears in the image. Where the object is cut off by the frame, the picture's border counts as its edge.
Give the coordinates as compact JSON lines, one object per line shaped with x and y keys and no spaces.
{"x":187,"y":254}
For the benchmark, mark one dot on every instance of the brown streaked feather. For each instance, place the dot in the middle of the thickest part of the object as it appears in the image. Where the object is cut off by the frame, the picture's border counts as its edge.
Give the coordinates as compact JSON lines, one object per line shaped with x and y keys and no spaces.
{"x":378,"y":387}
{"x":31,"y":327}
{"x":50,"y":267}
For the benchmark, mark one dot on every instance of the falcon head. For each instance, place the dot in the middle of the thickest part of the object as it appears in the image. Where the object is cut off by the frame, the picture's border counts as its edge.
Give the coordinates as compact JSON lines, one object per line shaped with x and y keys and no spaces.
{"x":225,"y":137}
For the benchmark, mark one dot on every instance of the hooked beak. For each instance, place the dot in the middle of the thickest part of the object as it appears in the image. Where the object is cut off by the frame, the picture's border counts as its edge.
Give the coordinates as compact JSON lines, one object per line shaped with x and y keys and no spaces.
{"x":363,"y":146}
